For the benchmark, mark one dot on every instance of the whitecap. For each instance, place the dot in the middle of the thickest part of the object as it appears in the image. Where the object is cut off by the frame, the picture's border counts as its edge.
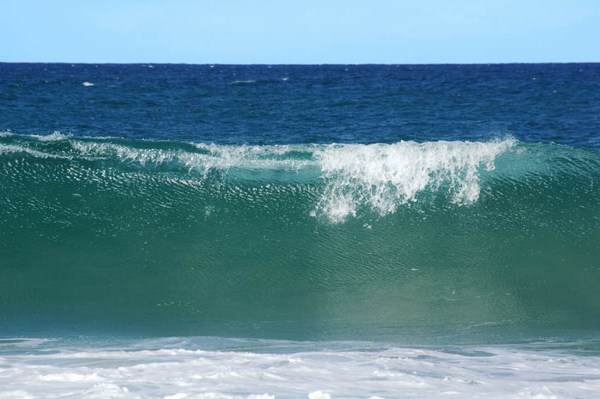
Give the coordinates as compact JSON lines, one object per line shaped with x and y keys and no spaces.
{"x":241,"y":82}
{"x":377,"y":177}
{"x":384,"y":176}
{"x":10,"y":148}
{"x":55,"y":136}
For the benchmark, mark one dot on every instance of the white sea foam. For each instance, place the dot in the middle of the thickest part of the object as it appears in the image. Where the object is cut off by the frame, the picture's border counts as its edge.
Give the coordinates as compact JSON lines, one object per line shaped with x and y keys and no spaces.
{"x":383,"y":176}
{"x":55,"y":136}
{"x":87,"y":84}
{"x":69,"y":377}
{"x":136,"y":371}
{"x":241,"y":82}
{"x":12,"y":148}
{"x":213,"y":157}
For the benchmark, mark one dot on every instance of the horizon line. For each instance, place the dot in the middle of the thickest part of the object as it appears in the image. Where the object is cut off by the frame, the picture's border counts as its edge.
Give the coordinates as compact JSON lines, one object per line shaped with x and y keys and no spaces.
{"x":300,"y":64}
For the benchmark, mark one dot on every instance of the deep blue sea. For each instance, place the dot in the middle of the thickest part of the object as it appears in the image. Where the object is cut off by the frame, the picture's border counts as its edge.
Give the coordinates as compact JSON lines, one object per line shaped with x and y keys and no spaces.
{"x":320,"y":231}
{"x":284,"y":104}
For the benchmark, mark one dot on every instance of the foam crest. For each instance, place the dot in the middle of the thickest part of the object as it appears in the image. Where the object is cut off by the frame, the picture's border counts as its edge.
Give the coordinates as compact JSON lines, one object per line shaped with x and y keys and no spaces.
{"x":11,"y":149}
{"x":384,"y":176}
{"x":208,"y":157}
{"x":55,"y":136}
{"x":350,"y":177}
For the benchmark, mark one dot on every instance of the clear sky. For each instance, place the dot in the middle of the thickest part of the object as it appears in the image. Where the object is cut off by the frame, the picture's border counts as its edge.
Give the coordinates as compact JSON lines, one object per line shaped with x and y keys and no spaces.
{"x":300,"y":31}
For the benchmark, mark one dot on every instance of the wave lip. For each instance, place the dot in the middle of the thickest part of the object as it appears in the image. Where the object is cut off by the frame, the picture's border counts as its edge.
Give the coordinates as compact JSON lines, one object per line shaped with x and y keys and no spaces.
{"x":55,"y":136}
{"x":377,"y":177}
{"x":380,"y":177}
{"x":384,"y":176}
{"x":15,"y":149}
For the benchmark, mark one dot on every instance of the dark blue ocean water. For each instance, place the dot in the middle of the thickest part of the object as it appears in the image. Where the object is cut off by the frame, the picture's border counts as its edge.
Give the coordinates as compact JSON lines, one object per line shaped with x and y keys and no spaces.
{"x":305,"y":104}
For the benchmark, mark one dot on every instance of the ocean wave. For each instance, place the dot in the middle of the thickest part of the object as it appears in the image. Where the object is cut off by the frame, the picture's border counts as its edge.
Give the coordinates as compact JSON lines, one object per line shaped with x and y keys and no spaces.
{"x":195,"y":157}
{"x":377,"y":176}
{"x":383,"y":238}
{"x":15,"y":149}
{"x":55,"y":136}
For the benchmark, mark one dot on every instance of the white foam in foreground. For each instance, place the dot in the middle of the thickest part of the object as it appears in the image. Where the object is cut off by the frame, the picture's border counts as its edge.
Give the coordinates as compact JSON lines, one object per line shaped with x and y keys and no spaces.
{"x":139,"y":371}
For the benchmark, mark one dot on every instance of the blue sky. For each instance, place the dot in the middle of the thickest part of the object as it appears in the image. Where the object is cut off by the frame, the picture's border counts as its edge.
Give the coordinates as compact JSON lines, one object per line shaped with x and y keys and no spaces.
{"x":308,"y":31}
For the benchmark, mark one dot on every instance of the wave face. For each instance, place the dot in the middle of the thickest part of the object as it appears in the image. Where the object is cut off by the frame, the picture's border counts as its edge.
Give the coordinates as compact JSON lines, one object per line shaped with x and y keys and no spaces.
{"x":408,"y":241}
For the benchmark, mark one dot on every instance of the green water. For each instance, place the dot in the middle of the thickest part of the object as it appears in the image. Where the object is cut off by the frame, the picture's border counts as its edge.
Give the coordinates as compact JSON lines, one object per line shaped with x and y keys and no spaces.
{"x":108,"y":242}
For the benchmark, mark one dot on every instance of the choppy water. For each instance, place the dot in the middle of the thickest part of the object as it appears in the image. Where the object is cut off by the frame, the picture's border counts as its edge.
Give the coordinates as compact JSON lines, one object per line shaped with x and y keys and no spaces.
{"x":259,"y":369}
{"x":445,"y":217}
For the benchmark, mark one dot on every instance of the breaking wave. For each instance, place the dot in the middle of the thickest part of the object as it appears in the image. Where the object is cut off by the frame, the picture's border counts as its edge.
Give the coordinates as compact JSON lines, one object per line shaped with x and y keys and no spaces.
{"x":378,"y":176}
{"x":456,"y":239}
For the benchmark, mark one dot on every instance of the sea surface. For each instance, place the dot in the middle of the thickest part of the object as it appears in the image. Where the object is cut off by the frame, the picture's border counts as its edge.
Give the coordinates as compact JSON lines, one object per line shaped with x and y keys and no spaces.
{"x":315,"y":231}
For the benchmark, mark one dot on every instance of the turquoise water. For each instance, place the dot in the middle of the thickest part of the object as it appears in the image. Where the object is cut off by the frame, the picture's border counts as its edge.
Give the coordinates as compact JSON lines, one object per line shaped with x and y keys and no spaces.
{"x":412,"y":242}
